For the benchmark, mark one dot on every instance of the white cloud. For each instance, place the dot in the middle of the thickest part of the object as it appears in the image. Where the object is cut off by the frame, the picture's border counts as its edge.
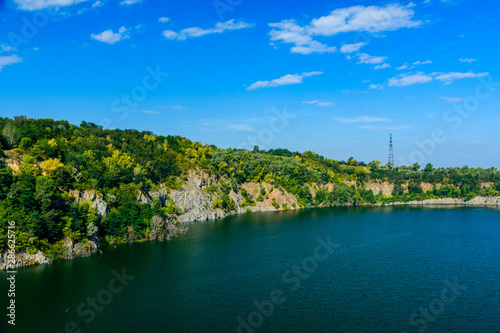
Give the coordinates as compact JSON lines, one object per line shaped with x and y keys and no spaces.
{"x":421,"y":77}
{"x":451,"y":100}
{"x":376,"y":86}
{"x":97,"y":4}
{"x":110,"y":37}
{"x":403,"y":66}
{"x":368,"y":59}
{"x":422,"y":62}
{"x":32,"y":5}
{"x":382,"y":66}
{"x":448,"y":78}
{"x":163,"y":19}
{"x":150,"y":112}
{"x":129,"y":2}
{"x":241,"y":127}
{"x":198,"y":32}
{"x":288,"y":31}
{"x":406,"y":80}
{"x":282,"y":81}
{"x":360,"y":119}
{"x":469,"y":60}
{"x":6,"y":48}
{"x":410,"y":5}
{"x":348,"y":48}
{"x":355,"y":18}
{"x":9,"y":60}
{"x":361,"y":18}
{"x":319,"y":103}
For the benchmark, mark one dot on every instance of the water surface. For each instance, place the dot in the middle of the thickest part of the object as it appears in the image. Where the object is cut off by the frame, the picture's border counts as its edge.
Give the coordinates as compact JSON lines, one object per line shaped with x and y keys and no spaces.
{"x":390,"y":262}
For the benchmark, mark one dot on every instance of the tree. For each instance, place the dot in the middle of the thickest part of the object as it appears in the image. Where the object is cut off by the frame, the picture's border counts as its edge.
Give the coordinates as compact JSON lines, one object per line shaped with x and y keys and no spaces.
{"x":25,"y":144}
{"x":429,"y":167}
{"x":51,"y":165}
{"x":11,"y":134}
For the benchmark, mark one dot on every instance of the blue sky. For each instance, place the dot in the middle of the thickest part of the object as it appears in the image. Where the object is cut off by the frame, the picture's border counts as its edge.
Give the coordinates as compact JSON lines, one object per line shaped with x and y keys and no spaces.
{"x":335,"y":77}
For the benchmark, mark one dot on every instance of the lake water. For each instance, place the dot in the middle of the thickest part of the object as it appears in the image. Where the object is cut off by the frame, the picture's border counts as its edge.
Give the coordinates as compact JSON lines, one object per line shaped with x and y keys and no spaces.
{"x":344,"y":269}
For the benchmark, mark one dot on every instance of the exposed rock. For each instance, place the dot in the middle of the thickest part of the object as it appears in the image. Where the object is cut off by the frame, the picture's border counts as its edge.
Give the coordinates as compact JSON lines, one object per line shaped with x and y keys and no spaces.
{"x":379,"y":187}
{"x":97,"y":200}
{"x":477,"y":201}
{"x":73,"y":250}
{"x":23,"y":258}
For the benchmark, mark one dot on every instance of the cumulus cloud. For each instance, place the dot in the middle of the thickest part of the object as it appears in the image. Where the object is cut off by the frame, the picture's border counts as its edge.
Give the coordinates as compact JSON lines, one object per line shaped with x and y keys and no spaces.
{"x":97,"y":4}
{"x":9,"y":60}
{"x":382,"y":66}
{"x":421,"y":77}
{"x":469,"y":60}
{"x":110,"y":37}
{"x":422,"y":62}
{"x":129,"y":2}
{"x":448,"y":78}
{"x":282,"y":81}
{"x":163,"y":19}
{"x":368,"y":59}
{"x":288,"y":31}
{"x":402,"y":67}
{"x":319,"y":103}
{"x":376,"y":86}
{"x":348,"y":48}
{"x":360,"y":119}
{"x":350,"y":19}
{"x":361,"y":18}
{"x":6,"y":48}
{"x":406,"y":80}
{"x":198,"y":32}
{"x":31,"y":5}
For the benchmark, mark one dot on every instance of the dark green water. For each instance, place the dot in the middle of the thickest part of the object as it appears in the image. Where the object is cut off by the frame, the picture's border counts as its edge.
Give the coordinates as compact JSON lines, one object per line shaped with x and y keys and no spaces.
{"x":390,"y":263}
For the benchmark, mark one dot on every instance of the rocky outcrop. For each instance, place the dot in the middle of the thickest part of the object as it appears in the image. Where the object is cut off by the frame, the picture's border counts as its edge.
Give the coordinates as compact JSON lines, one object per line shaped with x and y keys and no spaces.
{"x":379,"y":187}
{"x":97,"y":201}
{"x":477,"y":201}
{"x":72,"y":249}
{"x":23,"y":258}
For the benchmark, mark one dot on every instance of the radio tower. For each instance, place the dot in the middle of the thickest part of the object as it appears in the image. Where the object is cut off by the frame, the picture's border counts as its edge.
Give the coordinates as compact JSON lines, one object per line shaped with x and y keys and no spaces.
{"x":391,"y":152}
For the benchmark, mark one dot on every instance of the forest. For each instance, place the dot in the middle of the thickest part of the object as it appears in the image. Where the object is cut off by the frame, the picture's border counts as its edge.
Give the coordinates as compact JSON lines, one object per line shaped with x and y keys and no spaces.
{"x":43,"y":160}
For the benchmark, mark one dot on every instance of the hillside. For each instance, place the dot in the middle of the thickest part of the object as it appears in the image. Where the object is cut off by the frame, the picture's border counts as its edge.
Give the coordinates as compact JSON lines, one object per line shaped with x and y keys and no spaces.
{"x":71,"y":188}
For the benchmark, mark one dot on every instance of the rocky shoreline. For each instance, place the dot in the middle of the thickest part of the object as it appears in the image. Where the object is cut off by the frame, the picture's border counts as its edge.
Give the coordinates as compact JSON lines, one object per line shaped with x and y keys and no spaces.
{"x":195,"y":199}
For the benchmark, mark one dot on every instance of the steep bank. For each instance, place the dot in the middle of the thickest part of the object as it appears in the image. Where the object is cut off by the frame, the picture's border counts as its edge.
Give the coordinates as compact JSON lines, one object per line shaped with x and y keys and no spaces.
{"x":199,"y":198}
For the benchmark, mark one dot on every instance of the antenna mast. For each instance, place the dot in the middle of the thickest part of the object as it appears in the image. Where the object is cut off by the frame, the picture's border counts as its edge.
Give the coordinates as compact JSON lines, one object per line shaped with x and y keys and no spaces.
{"x":391,"y":151}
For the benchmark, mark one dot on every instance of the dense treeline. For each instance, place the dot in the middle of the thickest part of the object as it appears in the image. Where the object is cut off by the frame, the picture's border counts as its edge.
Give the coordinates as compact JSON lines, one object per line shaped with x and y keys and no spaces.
{"x":50,"y":159}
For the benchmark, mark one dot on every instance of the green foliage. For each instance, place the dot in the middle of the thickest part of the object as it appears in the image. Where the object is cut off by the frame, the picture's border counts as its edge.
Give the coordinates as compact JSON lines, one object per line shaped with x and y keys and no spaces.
{"x":275,"y":203}
{"x":58,"y":157}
